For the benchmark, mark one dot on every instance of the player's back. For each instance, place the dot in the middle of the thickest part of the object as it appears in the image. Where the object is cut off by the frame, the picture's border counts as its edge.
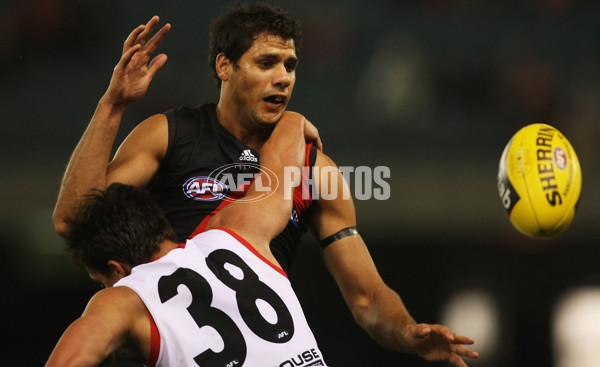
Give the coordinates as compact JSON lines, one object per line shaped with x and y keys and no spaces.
{"x":217,"y":301}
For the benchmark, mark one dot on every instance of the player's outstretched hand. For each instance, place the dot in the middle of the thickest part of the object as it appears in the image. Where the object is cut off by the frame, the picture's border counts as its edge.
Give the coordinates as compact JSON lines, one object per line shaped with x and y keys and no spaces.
{"x":438,"y":343}
{"x":133,"y":74}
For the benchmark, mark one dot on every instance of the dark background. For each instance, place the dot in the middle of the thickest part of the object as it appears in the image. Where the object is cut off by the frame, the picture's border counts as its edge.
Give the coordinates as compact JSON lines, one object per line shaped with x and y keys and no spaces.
{"x":432,"y":89}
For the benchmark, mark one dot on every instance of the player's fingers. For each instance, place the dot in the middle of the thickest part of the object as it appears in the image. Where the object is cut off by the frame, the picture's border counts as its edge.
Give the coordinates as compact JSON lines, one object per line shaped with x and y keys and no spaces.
{"x":457,"y":360}
{"x":465,"y":352}
{"x":156,"y":63}
{"x":153,"y":43}
{"x":424,"y":330}
{"x":461,"y":339}
{"x":311,"y":133}
{"x":143,"y":37}
{"x":130,"y":41}
{"x":318,"y":143}
{"x":418,"y":331}
{"x":127,"y":56}
{"x":444,"y":332}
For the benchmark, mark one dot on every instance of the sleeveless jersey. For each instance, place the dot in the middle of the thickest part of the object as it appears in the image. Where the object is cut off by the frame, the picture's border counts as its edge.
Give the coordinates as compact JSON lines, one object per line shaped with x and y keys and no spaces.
{"x":218,"y":302}
{"x":206,"y":167}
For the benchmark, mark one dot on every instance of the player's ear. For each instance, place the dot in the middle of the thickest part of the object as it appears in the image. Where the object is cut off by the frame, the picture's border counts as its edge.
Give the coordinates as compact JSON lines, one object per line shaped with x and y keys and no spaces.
{"x":119,"y":269}
{"x":223,"y":66}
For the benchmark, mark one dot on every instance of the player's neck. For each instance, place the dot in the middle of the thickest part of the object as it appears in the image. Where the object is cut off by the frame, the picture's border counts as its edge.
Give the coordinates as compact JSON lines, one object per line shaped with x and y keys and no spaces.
{"x":165,"y":247}
{"x":250,"y":134}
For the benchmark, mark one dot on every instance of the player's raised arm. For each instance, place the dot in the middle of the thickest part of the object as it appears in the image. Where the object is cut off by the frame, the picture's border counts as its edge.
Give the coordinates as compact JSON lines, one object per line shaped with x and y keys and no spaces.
{"x":131,"y":77}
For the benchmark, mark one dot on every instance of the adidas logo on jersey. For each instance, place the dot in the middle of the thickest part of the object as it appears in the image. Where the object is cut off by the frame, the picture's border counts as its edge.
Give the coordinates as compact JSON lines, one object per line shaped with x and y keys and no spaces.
{"x":248,"y":156}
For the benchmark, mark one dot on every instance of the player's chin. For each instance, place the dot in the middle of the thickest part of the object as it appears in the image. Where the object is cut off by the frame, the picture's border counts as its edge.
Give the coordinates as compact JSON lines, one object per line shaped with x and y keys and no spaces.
{"x":272,"y":116}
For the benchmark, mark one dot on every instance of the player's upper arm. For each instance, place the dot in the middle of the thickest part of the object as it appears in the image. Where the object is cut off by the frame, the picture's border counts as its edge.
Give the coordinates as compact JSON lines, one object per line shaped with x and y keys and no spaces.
{"x":139,"y":156}
{"x":104,"y":326}
{"x":334,"y":209}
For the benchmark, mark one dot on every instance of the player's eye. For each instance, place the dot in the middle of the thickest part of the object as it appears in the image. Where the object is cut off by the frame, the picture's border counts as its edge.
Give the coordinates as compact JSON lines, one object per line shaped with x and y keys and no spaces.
{"x":290,"y":67}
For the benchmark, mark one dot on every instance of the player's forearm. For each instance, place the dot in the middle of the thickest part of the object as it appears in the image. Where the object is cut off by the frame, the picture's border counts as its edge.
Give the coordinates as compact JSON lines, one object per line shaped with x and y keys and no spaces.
{"x":385,"y":320}
{"x":286,"y":145}
{"x":87,"y":166}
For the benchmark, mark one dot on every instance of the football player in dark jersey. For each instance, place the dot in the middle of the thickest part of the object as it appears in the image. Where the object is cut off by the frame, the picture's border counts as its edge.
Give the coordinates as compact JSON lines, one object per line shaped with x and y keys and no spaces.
{"x":253,"y":54}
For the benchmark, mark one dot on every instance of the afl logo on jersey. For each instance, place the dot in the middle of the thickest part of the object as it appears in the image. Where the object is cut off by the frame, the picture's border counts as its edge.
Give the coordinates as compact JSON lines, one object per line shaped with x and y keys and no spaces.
{"x":204,"y":189}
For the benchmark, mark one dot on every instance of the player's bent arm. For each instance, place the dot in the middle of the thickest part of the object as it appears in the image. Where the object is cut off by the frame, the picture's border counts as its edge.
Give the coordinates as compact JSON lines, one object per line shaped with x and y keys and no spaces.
{"x":135,"y":163}
{"x":129,"y":82}
{"x":114,"y":318}
{"x":374,"y":306}
{"x":262,"y":215}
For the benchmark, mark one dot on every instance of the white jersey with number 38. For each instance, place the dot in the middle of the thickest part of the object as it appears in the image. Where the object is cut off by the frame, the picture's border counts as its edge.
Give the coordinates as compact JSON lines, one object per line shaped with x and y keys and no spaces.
{"x":218,"y":302}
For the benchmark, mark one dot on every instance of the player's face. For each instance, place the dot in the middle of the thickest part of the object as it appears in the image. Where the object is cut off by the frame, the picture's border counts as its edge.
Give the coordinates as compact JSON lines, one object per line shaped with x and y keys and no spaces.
{"x":262,"y":80}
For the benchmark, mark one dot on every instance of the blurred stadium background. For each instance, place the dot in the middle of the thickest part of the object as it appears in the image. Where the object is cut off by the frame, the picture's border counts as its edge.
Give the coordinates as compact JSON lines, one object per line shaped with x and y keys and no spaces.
{"x":432,"y":89}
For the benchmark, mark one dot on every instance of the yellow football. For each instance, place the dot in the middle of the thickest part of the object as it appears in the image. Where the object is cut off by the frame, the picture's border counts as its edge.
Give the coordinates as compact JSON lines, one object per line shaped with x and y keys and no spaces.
{"x":539,"y":181}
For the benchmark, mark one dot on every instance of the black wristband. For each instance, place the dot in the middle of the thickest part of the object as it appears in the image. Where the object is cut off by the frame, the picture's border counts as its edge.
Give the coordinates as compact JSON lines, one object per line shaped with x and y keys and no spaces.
{"x":350,"y":231}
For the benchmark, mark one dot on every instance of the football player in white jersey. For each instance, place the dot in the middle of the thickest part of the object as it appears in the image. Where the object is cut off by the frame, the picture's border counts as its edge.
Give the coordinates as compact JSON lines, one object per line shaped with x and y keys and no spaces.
{"x":219,"y":299}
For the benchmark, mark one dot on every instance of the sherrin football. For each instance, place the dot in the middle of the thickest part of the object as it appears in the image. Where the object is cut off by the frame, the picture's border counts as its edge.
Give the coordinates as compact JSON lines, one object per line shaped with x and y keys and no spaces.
{"x":539,"y":181}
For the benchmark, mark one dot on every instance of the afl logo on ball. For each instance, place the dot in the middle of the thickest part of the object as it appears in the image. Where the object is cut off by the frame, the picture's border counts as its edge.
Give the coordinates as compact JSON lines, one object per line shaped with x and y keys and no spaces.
{"x":204,"y":189}
{"x":560,"y":158}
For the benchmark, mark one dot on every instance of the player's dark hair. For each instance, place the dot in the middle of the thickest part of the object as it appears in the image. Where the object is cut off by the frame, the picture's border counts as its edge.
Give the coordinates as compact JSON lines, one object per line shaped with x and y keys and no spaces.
{"x":121,"y":223}
{"x":235,"y":31}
